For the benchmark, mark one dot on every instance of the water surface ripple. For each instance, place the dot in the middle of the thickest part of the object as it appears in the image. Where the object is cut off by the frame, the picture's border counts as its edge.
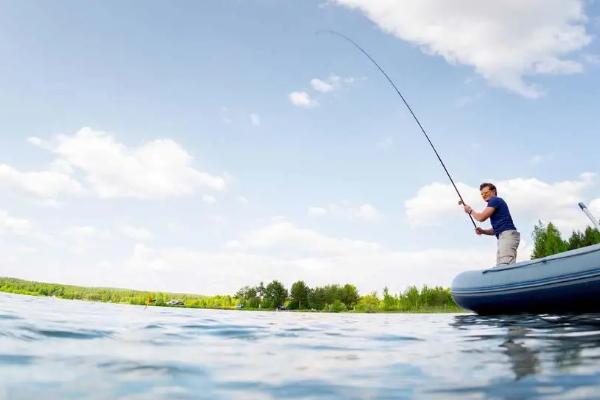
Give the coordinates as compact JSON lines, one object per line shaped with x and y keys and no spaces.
{"x":59,"y":349}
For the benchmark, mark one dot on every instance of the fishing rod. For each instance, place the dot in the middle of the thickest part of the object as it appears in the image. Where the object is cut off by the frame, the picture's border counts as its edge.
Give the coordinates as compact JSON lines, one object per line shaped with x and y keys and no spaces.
{"x":407,"y":106}
{"x":589,"y":215}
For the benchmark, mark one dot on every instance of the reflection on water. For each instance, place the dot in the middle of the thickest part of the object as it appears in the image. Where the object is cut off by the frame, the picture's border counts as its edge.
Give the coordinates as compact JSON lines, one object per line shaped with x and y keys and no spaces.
{"x":557,"y":353}
{"x":72,"y":350}
{"x":523,"y":361}
{"x":559,"y":337}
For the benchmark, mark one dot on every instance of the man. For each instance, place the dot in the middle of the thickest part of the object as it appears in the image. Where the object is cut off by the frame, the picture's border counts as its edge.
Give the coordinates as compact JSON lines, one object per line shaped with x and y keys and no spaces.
{"x":502,"y":224}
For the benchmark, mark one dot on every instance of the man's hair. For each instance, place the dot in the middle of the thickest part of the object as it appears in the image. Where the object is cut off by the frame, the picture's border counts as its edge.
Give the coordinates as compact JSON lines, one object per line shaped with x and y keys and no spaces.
{"x":488,"y":185}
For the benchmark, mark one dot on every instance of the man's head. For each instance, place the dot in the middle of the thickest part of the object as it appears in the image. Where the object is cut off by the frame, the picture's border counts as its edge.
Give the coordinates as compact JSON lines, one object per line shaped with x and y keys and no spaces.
{"x":488,"y":190}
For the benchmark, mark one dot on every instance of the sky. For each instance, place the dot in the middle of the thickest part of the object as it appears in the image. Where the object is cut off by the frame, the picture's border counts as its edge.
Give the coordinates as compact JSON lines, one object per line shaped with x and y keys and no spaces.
{"x":204,"y":146}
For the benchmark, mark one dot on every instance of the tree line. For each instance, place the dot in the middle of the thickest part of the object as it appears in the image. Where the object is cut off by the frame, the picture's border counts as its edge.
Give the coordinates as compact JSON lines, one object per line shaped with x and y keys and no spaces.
{"x":337,"y":298}
{"x":113,"y":295}
{"x":328,"y":298}
{"x":300,"y":296}
{"x":547,"y":240}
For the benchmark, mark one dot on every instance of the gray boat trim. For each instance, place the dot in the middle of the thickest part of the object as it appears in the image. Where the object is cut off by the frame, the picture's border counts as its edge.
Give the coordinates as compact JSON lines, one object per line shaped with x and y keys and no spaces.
{"x":562,"y":280}
{"x":544,"y":260}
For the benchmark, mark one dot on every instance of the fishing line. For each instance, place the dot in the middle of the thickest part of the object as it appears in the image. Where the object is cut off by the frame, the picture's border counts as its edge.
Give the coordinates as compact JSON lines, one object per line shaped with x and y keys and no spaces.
{"x":407,"y":106}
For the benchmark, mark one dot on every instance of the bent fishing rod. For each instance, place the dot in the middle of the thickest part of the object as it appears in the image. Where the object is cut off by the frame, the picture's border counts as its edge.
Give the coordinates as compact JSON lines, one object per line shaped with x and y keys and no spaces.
{"x":407,"y":106}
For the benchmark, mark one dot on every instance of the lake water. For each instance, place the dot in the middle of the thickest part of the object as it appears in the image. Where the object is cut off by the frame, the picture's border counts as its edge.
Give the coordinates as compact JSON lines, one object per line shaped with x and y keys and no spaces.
{"x":59,"y":349}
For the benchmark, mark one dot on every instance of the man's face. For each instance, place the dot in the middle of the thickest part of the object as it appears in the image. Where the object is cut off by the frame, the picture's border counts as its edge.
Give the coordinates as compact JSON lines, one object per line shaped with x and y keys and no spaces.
{"x":487,"y":193}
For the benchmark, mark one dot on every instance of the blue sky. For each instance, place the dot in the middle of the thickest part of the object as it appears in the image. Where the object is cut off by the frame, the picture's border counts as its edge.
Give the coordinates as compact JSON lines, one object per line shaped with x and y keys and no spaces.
{"x":203,"y":146}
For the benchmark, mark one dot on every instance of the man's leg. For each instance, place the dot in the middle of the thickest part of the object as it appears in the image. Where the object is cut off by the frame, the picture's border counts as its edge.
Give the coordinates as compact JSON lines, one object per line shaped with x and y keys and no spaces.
{"x":508,"y":242}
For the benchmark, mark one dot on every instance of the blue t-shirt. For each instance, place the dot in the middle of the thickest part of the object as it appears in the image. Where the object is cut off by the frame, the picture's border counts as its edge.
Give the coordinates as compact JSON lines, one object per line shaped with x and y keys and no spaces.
{"x":500,"y":219}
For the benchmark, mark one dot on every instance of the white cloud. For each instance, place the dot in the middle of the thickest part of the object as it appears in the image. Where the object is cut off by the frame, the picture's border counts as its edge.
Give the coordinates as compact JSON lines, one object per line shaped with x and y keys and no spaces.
{"x":285,"y":237}
{"x":162,"y":268}
{"x":280,"y":250}
{"x":316,"y":211}
{"x":36,"y":141}
{"x":331,"y":84}
{"x":14,"y":226}
{"x":435,"y":201}
{"x":594,"y":208}
{"x":136,"y":233}
{"x":236,"y":269}
{"x":321,"y":86}
{"x":334,"y":82}
{"x":504,"y":40}
{"x":305,"y":254}
{"x":366,"y":212}
{"x":159,"y":168}
{"x":84,"y":232}
{"x":208,"y":199}
{"x":255,"y":119}
{"x":43,"y":184}
{"x":529,"y":199}
{"x":302,"y":99}
{"x":80,"y":239}
{"x":156,"y":169}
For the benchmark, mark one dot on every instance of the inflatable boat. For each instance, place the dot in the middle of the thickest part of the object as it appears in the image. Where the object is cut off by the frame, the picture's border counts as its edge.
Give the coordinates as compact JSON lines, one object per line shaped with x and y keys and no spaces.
{"x":567,"y":282}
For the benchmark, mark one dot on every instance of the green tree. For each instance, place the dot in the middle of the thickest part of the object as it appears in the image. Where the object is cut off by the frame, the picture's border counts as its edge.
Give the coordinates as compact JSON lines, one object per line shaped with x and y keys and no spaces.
{"x":389,"y":302}
{"x":260,"y":290}
{"x":331,"y":293}
{"x":368,"y":303}
{"x":591,"y":236}
{"x":316,"y":298}
{"x":411,"y":297}
{"x":547,"y":241}
{"x":576,"y":240}
{"x":248,"y":297}
{"x":337,"y":306}
{"x":579,"y":239}
{"x":349,"y":295}
{"x":299,"y":295}
{"x":275,"y":295}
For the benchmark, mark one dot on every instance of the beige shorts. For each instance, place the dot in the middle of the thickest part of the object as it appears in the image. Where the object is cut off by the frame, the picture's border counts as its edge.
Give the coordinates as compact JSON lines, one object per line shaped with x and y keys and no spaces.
{"x":508,"y":241}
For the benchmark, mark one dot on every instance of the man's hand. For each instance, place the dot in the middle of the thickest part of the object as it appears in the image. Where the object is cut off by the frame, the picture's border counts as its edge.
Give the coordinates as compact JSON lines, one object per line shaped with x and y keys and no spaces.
{"x":482,"y":231}
{"x":468,"y":209}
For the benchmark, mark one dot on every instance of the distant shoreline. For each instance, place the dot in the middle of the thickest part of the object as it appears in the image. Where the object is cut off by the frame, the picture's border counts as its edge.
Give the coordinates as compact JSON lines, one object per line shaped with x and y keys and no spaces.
{"x":186,"y":300}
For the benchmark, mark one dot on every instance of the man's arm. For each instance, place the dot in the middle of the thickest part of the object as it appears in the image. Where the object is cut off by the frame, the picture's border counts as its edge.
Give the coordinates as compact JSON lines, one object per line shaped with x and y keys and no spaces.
{"x":483,"y":215}
{"x":481,"y":231}
{"x":480,"y":216}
